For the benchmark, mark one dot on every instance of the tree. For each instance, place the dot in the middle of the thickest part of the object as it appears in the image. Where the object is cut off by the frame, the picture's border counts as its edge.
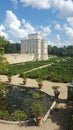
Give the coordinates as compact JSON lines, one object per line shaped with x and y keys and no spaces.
{"x":62,"y":51}
{"x":12,"y":48}
{"x":3,"y":42}
{"x":3,"y":62}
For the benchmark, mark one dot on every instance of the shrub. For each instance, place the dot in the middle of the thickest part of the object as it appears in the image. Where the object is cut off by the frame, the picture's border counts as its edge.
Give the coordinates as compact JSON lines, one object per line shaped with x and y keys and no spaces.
{"x":37,"y":109}
{"x":71,"y":123}
{"x":18,"y":115}
{"x":55,"y":87}
{"x":4,"y":114}
{"x":37,"y":95}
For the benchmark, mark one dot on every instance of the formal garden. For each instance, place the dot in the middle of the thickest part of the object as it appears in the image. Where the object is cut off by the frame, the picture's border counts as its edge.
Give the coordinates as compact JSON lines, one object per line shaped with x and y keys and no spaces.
{"x":61,"y":71}
{"x":26,"y":66}
{"x":14,"y":100}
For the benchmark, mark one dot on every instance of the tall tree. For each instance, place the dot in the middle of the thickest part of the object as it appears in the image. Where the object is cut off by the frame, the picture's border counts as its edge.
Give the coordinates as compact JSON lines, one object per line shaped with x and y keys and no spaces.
{"x":3,"y":62}
{"x":12,"y":48}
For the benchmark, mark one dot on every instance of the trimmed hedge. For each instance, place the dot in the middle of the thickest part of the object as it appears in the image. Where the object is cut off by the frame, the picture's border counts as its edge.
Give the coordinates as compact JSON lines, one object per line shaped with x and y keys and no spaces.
{"x":58,"y":72}
{"x":23,"y":67}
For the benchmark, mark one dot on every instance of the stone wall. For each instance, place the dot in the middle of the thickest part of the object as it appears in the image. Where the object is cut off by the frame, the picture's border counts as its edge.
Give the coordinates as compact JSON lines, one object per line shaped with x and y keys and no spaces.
{"x":17,"y":58}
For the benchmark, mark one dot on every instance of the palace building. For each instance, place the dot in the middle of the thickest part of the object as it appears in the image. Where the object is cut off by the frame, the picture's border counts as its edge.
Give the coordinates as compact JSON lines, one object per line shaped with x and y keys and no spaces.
{"x":35,"y":45}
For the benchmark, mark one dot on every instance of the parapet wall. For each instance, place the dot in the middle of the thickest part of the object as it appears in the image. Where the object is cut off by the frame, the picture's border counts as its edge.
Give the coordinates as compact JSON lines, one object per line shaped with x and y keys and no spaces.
{"x":18,"y":58}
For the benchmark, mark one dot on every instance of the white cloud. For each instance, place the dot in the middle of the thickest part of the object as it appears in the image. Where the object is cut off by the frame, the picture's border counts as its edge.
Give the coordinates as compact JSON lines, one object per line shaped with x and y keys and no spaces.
{"x":2,"y":31}
{"x":12,"y":21}
{"x":28,"y":26}
{"x":68,"y":43}
{"x":68,"y":31}
{"x":45,"y":30}
{"x":14,"y":26}
{"x":40,"y":4}
{"x":58,"y":38}
{"x":20,"y":29}
{"x":51,"y":43}
{"x":65,"y":7}
{"x":58,"y":27}
{"x":60,"y":44}
{"x":70,"y":21}
{"x":11,"y":41}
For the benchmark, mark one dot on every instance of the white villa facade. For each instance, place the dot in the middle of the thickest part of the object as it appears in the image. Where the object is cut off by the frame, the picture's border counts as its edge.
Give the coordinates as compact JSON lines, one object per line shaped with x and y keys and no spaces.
{"x":35,"y":45}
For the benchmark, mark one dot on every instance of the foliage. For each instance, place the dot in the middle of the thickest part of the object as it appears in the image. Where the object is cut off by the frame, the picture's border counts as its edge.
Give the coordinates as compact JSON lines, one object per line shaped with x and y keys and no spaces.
{"x":39,"y":80}
{"x":4,"y":114}
{"x":23,"y":75}
{"x":61,"y":71}
{"x":37,"y":109}
{"x":18,"y":115}
{"x":12,"y":48}
{"x":71,"y":123}
{"x":3,"y":65}
{"x":20,"y":68}
{"x":3,"y":42}
{"x":63,"y":51}
{"x":55,"y":87}
{"x":18,"y":101}
{"x":37,"y":95}
{"x":1,"y":86}
{"x":70,"y":95}
{"x":3,"y":62}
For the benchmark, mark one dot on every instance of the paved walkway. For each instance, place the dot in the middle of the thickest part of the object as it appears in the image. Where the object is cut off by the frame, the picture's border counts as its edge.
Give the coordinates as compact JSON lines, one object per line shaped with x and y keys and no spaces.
{"x":58,"y":120}
{"x":43,"y":66}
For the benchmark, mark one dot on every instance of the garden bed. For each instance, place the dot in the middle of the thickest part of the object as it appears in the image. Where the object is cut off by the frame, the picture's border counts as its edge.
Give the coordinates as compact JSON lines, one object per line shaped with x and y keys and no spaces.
{"x":19,"y":102}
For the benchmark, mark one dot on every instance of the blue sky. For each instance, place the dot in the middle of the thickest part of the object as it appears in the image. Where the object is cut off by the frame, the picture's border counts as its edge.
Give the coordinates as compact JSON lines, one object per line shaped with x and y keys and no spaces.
{"x":52,"y":18}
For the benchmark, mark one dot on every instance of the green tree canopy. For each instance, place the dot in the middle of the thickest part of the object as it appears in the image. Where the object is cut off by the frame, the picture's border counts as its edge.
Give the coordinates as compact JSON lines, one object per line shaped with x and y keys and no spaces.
{"x":3,"y":42}
{"x":3,"y":62}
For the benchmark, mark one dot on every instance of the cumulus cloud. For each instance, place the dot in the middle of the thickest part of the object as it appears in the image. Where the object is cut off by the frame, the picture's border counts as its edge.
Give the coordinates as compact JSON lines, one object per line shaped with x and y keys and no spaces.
{"x":51,"y":43}
{"x":45,"y":31}
{"x":14,"y":26}
{"x":40,"y":4}
{"x":64,"y":7}
{"x":60,"y":44}
{"x":70,"y":21}
{"x":28,"y":26}
{"x":2,"y":31}
{"x":68,"y":31}
{"x":58,"y":38}
{"x":12,"y":21}
{"x":58,"y":27}
{"x":20,"y":29}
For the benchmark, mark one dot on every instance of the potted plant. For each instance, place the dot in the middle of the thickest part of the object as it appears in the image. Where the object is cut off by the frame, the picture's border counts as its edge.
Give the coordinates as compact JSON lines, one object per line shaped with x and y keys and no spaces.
{"x":9,"y":77}
{"x":40,"y":82}
{"x":37,"y":111}
{"x":56,"y":91}
{"x":24,"y":78}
